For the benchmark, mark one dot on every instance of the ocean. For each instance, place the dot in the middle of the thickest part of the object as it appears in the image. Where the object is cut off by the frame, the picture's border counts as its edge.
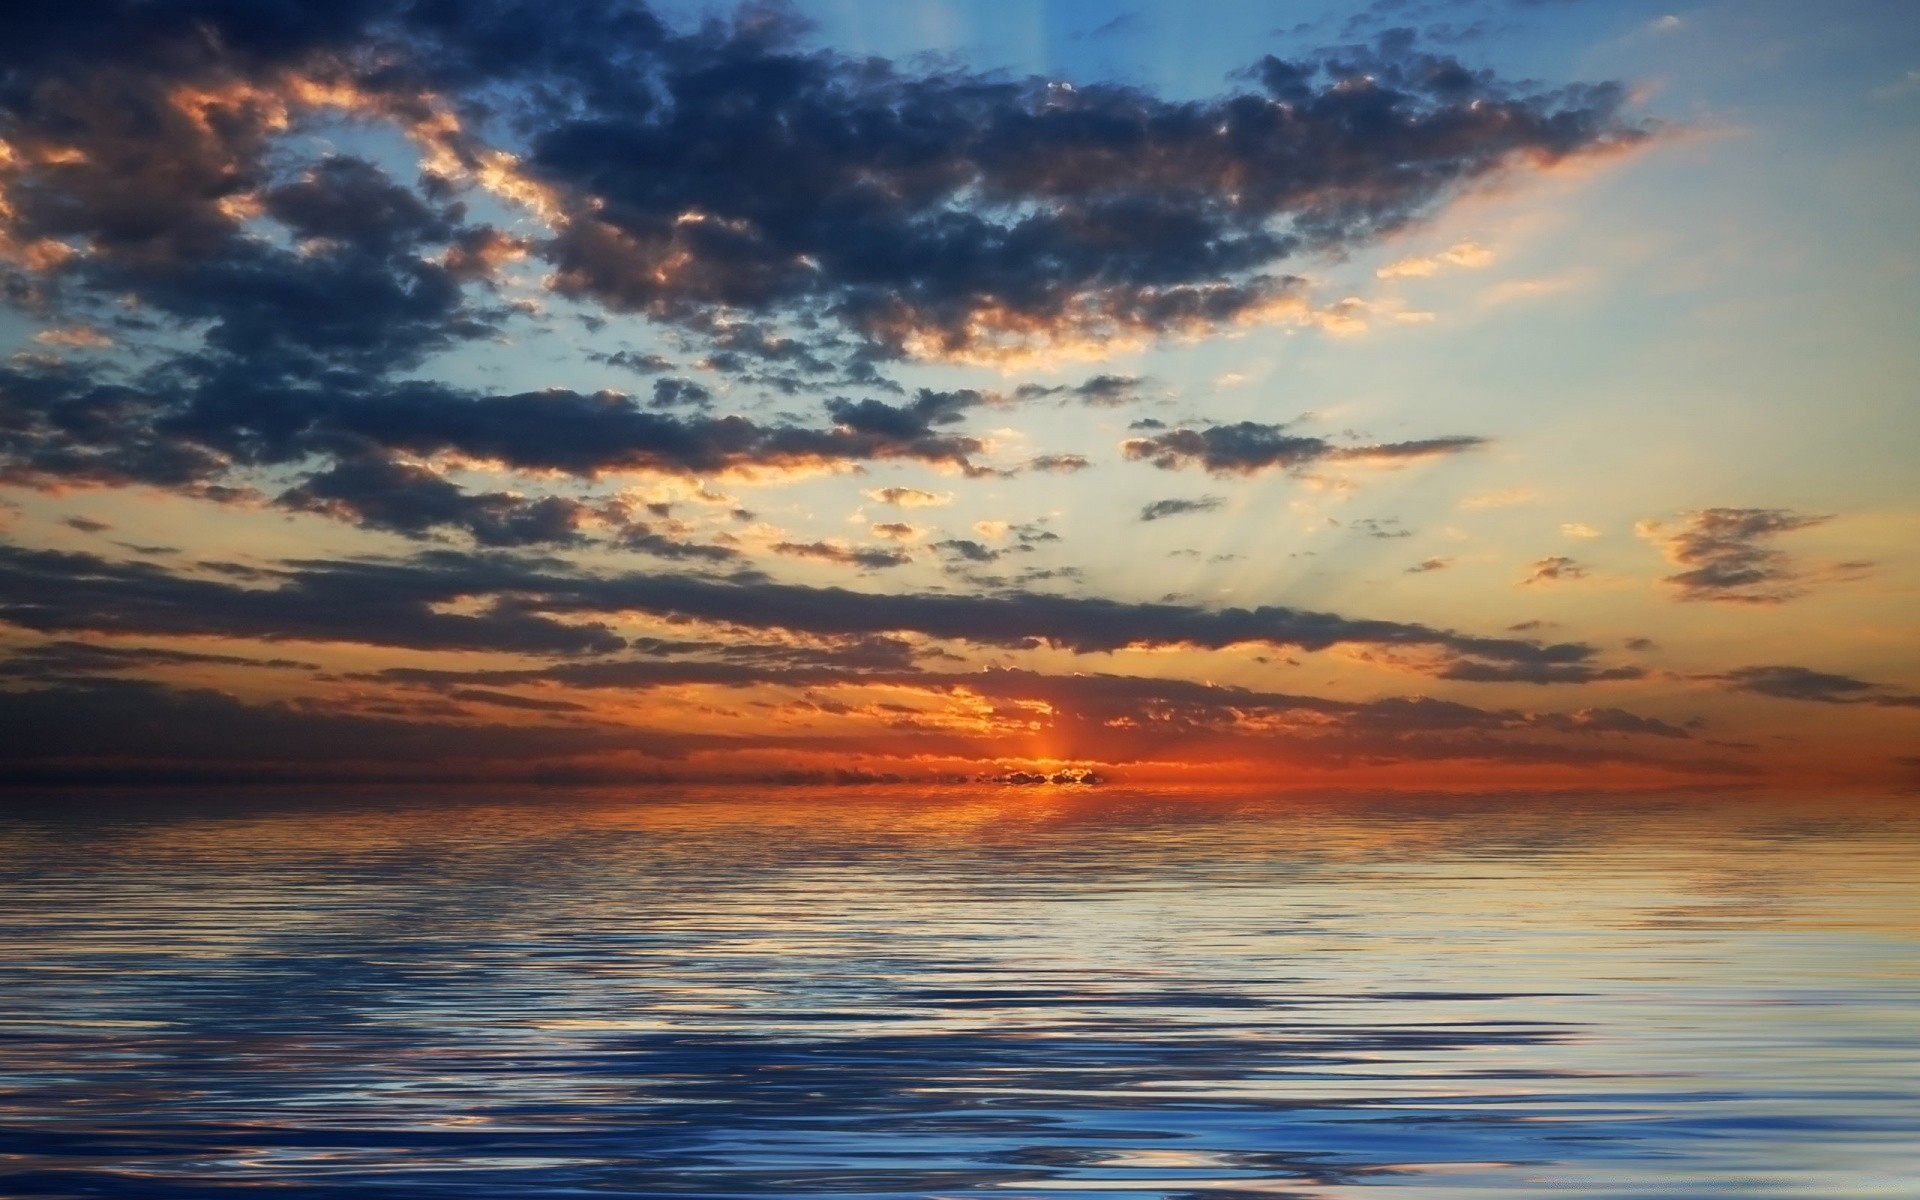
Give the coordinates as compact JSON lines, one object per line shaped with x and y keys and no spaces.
{"x":888,"y":992}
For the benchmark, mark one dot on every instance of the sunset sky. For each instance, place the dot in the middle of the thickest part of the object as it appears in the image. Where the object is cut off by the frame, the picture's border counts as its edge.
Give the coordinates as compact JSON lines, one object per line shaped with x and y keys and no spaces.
{"x":1430,"y":394}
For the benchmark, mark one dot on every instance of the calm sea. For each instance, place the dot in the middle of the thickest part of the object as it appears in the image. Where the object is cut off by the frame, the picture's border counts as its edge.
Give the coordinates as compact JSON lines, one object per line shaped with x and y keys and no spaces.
{"x":1007,"y":993}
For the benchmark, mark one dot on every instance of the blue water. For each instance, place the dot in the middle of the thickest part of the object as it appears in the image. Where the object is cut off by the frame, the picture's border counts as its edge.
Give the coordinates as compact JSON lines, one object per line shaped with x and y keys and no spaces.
{"x":1008,"y":993}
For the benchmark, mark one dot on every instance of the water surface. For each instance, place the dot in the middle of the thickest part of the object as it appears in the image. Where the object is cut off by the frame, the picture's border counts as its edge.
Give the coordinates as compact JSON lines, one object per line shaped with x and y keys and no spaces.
{"x":1007,"y":993}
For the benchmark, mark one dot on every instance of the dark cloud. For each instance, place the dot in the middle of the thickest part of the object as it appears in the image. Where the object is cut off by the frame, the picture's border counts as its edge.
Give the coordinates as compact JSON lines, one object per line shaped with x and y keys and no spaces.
{"x":1466,"y":671}
{"x":968,"y":549}
{"x":508,"y":700}
{"x":1555,"y":569}
{"x":1608,"y":720}
{"x":1118,"y":718}
{"x":1802,"y":683}
{"x":1101,"y":391}
{"x":586,"y":435}
{"x":642,"y":538}
{"x":61,"y":659}
{"x":1249,"y":447}
{"x":670,"y":393}
{"x":137,"y":731}
{"x":869,"y":557}
{"x":640,"y":364}
{"x":800,"y":215}
{"x":951,"y":214}
{"x":924,"y":210}
{"x":906,"y":422}
{"x":126,"y":731}
{"x":1727,"y":553}
{"x":372,"y":604}
{"x":1429,"y":564}
{"x":1160,"y":509}
{"x":906,"y":497}
{"x":197,"y":427}
{"x":381,"y":493}
{"x":1058,"y":464}
{"x":508,"y":603}
{"x":344,"y":201}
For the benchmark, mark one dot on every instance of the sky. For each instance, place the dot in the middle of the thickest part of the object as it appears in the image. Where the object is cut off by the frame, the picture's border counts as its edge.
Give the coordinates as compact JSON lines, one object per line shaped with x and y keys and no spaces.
{"x":1429,"y":394}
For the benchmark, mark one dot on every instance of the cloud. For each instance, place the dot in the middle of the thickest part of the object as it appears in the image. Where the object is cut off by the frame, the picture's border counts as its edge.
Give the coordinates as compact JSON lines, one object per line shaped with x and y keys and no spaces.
{"x":137,"y":731}
{"x":906,"y":497}
{"x":422,"y":727}
{"x":1574,"y":529}
{"x":205,"y":423}
{"x":362,"y":603}
{"x":671,"y":393}
{"x":1430,"y":564}
{"x":1058,"y":464}
{"x":1802,"y":683}
{"x":922,"y":210}
{"x":77,"y":337}
{"x":1461,"y":254}
{"x":1100,"y":391}
{"x":1465,"y":671}
{"x":382,"y":493}
{"x":869,"y":557}
{"x":1248,"y":447}
{"x":449,"y":600}
{"x":968,"y":549}
{"x":57,"y":660}
{"x":1160,"y":509}
{"x":1727,"y":555}
{"x":1382,"y":527}
{"x":1118,"y":717}
{"x":908,"y":206}
{"x":640,"y":537}
{"x":796,"y":215}
{"x":639,"y":364}
{"x":1555,"y":569}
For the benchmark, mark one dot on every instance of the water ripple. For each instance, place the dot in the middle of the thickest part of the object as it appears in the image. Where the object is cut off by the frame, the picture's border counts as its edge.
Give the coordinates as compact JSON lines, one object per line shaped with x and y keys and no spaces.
{"x":880,"y":994}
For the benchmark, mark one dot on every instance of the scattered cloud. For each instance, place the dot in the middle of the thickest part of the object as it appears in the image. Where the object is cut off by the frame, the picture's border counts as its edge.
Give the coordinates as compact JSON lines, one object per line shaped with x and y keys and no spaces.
{"x":906,"y":497}
{"x":867,"y":557}
{"x":1460,"y":254}
{"x":1555,"y":569}
{"x":77,"y":337}
{"x":451,"y":600}
{"x":1100,"y":391}
{"x":1728,"y":555}
{"x":1249,"y":447}
{"x":1161,"y":509}
{"x":1802,"y":683}
{"x":1381,"y":527}
{"x":1059,"y":464}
